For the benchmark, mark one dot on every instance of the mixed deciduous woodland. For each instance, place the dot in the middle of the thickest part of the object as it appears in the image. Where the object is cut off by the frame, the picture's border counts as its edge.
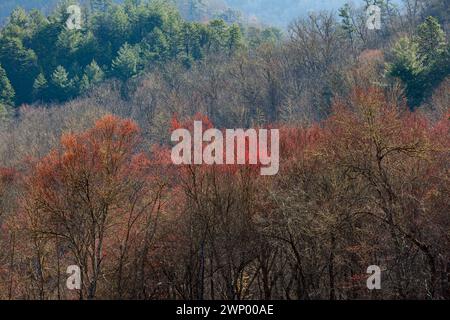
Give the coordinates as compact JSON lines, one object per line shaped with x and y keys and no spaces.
{"x":86,"y":177}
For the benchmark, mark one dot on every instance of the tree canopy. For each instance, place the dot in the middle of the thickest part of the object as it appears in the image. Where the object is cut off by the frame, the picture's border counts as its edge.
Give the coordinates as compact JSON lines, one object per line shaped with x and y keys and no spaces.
{"x":45,"y":61}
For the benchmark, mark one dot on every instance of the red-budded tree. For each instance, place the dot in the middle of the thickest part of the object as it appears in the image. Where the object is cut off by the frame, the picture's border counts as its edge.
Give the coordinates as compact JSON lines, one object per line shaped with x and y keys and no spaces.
{"x":96,"y":197}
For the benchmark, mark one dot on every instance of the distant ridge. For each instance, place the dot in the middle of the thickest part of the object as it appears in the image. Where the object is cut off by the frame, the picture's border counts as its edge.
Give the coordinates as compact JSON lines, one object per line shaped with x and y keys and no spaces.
{"x":270,"y":12}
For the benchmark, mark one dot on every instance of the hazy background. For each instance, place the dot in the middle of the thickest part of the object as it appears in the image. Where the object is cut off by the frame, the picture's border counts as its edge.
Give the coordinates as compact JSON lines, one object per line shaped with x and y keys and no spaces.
{"x":274,"y":12}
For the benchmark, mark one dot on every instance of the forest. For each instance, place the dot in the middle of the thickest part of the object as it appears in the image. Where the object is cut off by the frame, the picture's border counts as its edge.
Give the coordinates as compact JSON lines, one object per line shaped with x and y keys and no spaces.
{"x":86,"y":177}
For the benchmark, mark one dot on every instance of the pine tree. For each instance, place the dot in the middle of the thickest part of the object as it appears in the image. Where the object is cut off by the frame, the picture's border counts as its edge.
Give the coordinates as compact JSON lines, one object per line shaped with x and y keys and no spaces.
{"x":217,"y":34}
{"x":347,"y":23}
{"x":235,"y":41}
{"x":408,"y":67}
{"x":94,"y":73}
{"x":190,"y":40}
{"x":61,"y":84}
{"x":6,"y":90}
{"x":154,"y":47}
{"x":421,"y":63}
{"x":84,"y":84}
{"x":6,"y":95}
{"x":21,"y":65}
{"x":430,"y":40}
{"x":17,"y":26}
{"x":128,"y":62}
{"x":40,"y":88}
{"x":60,"y":77}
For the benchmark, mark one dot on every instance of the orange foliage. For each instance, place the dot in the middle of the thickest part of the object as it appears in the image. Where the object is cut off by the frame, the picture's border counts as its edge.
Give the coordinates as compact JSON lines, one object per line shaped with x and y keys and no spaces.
{"x":130,"y":220}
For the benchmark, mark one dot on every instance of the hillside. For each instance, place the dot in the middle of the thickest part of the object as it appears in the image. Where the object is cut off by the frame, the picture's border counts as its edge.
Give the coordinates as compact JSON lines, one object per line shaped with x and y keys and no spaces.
{"x":147,"y":156}
{"x":190,"y":9}
{"x":272,"y":12}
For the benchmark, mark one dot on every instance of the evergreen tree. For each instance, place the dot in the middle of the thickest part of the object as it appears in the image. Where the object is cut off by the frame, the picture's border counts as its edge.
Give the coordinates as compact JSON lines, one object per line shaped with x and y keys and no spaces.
{"x":128,"y":62}
{"x":407,"y":63}
{"x":190,"y":33}
{"x":93,"y":74}
{"x":6,"y":95}
{"x":6,"y":90}
{"x":18,"y":24}
{"x":235,"y":40}
{"x":431,"y":41}
{"x":422,"y":62}
{"x":40,"y":88}
{"x":60,"y":77}
{"x":84,"y":84}
{"x":347,"y":23}
{"x":21,"y":65}
{"x":156,"y":46}
{"x":217,"y":35}
{"x":408,"y":67}
{"x":61,"y":84}
{"x":68,"y":43}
